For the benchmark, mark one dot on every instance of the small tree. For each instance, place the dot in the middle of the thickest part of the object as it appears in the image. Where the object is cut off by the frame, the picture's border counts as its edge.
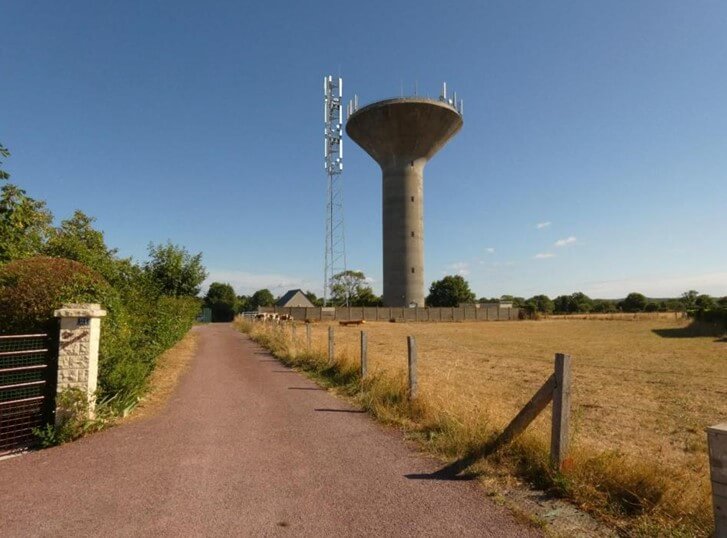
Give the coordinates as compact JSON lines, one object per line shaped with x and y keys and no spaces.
{"x":221,"y":299}
{"x":174,"y":270}
{"x":651,"y":307}
{"x":351,"y":288}
{"x":5,"y":154}
{"x":24,"y":222}
{"x":634,"y":302}
{"x":261,"y":297}
{"x":541,"y":304}
{"x":602,"y":306}
{"x":705,"y":302}
{"x":689,"y":299}
{"x":313,"y":298}
{"x":576,"y":302}
{"x":243,"y":304}
{"x":450,"y":291}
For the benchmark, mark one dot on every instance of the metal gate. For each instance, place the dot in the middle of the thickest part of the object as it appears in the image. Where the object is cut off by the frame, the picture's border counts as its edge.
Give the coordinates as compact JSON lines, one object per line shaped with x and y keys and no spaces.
{"x":28,"y":372}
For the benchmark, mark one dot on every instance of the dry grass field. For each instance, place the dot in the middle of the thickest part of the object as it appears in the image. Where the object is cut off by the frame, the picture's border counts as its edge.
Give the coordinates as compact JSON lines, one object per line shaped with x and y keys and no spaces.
{"x":643,"y":392}
{"x":634,"y":390}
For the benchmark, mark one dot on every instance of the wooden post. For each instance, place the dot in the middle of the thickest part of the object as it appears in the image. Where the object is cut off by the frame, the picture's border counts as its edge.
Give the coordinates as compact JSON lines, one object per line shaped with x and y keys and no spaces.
{"x":412,"y":360}
{"x":717,"y":441}
{"x":561,"y":411}
{"x":528,"y":413}
{"x":331,"y":345}
{"x":307,"y":335}
{"x":364,"y":354}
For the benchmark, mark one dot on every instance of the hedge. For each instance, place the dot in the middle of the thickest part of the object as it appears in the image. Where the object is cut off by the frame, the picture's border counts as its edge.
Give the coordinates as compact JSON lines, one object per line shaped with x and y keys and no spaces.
{"x":139,"y":325}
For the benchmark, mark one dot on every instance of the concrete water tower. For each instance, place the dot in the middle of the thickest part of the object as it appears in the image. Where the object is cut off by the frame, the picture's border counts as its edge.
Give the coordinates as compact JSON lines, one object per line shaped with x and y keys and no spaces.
{"x":402,"y":135}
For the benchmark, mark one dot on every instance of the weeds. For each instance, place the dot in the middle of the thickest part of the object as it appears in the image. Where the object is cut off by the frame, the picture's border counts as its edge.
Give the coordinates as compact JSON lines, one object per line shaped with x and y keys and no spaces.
{"x":74,"y":418}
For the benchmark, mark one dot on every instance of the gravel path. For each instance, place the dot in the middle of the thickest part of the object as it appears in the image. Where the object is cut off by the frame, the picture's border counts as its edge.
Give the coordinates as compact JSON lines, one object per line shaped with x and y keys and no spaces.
{"x":246,"y":447}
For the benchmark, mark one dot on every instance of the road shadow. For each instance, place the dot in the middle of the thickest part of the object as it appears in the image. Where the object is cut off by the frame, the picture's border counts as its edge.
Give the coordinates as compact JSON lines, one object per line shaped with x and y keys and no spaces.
{"x":305,"y":388}
{"x":340,"y":410}
{"x":457,"y":470}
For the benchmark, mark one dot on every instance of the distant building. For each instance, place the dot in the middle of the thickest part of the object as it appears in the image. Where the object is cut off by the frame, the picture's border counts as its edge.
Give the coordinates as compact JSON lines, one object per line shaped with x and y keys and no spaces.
{"x":294,"y":298}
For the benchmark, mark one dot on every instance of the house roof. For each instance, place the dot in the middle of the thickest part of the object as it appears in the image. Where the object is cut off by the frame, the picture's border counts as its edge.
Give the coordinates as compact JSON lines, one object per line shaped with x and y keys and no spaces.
{"x":290,"y":294}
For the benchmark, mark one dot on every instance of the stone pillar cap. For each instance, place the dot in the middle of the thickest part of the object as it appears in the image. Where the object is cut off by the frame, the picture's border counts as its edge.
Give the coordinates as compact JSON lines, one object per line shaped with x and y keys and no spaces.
{"x":83,"y":310}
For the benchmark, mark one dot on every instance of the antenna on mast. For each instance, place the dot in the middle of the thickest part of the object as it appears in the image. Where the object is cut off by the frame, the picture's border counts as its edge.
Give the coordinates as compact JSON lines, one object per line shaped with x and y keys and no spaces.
{"x":335,"y":255}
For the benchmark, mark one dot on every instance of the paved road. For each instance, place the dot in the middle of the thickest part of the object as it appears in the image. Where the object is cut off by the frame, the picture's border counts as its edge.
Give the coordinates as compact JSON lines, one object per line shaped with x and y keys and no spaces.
{"x":246,"y":447}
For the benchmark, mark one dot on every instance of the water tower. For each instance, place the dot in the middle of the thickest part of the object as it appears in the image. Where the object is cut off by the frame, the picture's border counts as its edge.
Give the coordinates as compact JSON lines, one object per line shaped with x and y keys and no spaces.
{"x":402,"y":135}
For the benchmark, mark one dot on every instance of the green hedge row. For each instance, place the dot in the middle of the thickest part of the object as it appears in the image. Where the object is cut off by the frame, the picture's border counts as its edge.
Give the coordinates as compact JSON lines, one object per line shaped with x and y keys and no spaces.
{"x":714,"y":315}
{"x":140,"y":323}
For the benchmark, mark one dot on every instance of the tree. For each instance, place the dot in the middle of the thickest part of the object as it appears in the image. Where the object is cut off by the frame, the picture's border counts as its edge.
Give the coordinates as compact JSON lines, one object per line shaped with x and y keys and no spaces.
{"x":24,"y":224}
{"x":541,"y":304}
{"x":689,"y":299}
{"x":602,"y":306}
{"x":704,"y":302}
{"x":243,"y":304}
{"x":24,"y":221}
{"x":450,"y":291}
{"x":261,"y":298}
{"x":651,"y":307}
{"x":351,"y":288}
{"x":5,"y":154}
{"x":313,"y":298}
{"x":634,"y":302}
{"x":174,"y":270}
{"x":221,"y":299}
{"x":576,"y":302}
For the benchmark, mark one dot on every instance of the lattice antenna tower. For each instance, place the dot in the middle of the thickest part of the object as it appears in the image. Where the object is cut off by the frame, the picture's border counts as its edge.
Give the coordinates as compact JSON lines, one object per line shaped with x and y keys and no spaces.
{"x":335,"y":257}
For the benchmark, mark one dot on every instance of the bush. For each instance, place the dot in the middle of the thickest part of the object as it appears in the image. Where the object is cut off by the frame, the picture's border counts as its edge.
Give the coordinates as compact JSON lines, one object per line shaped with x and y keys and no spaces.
{"x":129,"y":350}
{"x":717,"y":316}
{"x":31,"y":289}
{"x":138,"y":327}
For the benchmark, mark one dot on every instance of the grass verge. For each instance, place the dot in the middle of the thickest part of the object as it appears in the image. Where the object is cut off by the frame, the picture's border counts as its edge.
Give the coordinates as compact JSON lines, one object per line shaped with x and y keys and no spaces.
{"x":636,"y":496}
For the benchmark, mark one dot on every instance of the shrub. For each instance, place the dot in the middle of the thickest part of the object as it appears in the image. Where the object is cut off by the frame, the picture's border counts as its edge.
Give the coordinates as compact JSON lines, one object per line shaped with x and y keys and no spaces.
{"x":139,"y":325}
{"x":31,"y":289}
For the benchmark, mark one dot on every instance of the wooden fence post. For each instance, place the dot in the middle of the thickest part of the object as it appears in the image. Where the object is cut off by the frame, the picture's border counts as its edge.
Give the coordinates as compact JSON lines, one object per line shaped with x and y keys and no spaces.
{"x":717,"y":441}
{"x":364,"y":354}
{"x":561,"y":411}
{"x":412,"y":361}
{"x":527,"y":414}
{"x":331,"y":345}
{"x":307,"y":335}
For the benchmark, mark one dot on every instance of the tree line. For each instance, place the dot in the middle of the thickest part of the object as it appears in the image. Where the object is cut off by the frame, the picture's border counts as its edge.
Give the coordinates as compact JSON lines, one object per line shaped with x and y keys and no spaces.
{"x":352,"y":288}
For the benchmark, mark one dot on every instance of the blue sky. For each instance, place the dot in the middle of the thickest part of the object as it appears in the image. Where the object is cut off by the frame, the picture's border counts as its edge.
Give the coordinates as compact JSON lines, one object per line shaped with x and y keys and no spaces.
{"x":603,"y":122}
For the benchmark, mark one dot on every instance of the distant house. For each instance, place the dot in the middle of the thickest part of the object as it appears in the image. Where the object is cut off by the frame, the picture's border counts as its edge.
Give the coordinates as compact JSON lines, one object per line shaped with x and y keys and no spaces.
{"x":294,"y":298}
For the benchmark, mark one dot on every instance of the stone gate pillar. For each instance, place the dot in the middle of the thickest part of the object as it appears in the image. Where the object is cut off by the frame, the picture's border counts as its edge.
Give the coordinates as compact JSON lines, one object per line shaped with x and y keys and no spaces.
{"x":80,"y":331}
